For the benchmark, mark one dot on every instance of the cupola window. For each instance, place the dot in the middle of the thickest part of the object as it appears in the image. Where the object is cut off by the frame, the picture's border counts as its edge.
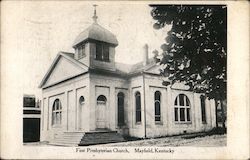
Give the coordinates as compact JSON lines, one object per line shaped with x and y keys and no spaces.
{"x":81,"y":51}
{"x":102,"y":52}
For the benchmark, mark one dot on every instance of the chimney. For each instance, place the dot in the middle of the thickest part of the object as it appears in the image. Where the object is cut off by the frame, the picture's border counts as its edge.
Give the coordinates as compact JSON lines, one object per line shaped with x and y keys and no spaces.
{"x":145,"y":54}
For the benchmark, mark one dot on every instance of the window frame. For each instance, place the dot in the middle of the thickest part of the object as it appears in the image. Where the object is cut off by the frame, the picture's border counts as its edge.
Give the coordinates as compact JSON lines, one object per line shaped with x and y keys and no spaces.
{"x":81,"y":100}
{"x":178,"y":108}
{"x":138,"y":120}
{"x":203,"y":109}
{"x":103,"y":56}
{"x":99,"y":100}
{"x":157,"y":100}
{"x":120,"y":111}
{"x":56,"y":112}
{"x":81,"y":51}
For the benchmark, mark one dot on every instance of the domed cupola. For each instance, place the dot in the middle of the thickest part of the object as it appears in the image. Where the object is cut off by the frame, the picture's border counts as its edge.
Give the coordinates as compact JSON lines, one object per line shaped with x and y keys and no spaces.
{"x":95,"y":46}
{"x":98,"y":33}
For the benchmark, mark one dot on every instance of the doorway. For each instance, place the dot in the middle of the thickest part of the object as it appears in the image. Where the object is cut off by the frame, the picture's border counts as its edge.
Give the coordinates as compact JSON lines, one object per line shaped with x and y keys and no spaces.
{"x":101,"y":112}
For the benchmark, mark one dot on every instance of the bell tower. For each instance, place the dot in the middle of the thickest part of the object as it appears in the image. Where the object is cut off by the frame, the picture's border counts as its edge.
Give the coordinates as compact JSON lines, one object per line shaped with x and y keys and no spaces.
{"x":95,"y":46}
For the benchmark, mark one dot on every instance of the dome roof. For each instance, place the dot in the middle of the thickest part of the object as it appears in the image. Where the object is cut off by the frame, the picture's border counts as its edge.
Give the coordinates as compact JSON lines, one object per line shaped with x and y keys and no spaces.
{"x":96,"y":32}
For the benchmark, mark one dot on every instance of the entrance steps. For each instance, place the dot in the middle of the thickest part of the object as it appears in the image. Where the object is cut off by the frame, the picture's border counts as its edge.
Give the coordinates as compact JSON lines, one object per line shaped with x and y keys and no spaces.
{"x":67,"y":139}
{"x":87,"y":138}
{"x":101,"y":137}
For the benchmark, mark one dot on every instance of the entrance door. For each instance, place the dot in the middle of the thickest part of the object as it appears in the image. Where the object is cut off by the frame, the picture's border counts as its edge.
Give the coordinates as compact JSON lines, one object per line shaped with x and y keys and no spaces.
{"x":101,"y":112}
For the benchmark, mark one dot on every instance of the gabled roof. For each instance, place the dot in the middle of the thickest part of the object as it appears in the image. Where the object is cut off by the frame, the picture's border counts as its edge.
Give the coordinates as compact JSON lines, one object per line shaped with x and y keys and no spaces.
{"x":68,"y":56}
{"x":135,"y":68}
{"x":123,"y":70}
{"x":96,"y":32}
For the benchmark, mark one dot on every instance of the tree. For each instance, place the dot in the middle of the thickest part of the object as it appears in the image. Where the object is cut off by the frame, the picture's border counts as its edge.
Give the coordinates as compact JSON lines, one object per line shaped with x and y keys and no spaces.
{"x":195,"y":50}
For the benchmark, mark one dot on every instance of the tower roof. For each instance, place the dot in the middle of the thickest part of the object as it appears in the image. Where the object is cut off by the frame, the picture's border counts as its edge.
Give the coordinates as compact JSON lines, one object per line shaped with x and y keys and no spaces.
{"x":96,"y":32}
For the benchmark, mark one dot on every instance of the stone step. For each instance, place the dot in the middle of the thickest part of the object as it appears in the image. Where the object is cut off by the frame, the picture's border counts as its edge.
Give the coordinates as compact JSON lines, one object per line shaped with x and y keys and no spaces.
{"x":68,"y":139}
{"x":88,"y":138}
{"x":91,"y":138}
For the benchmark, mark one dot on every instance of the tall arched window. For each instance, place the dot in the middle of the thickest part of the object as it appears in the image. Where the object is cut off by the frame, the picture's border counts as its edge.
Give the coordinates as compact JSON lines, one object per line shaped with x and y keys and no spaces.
{"x":137,"y":107}
{"x":157,"y":106}
{"x":203,"y":109}
{"x":120,"y":104}
{"x":80,"y":114}
{"x":182,"y":108}
{"x":56,"y":112}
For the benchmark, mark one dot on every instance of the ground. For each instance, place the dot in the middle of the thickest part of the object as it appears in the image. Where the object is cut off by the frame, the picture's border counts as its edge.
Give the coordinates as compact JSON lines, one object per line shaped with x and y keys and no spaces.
{"x":175,"y":141}
{"x":206,"y":141}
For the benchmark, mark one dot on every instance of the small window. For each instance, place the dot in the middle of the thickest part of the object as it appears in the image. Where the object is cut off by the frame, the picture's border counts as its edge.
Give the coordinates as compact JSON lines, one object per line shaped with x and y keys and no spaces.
{"x":102,"y":52}
{"x":81,"y":51}
{"x":203,"y":109}
{"x":138,"y":107}
{"x":81,"y":100}
{"x":101,"y":99}
{"x":56,"y":112}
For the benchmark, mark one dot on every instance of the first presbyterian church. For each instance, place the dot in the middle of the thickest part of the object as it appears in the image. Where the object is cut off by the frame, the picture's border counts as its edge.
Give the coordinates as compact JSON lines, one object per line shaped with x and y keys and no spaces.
{"x":88,"y":98}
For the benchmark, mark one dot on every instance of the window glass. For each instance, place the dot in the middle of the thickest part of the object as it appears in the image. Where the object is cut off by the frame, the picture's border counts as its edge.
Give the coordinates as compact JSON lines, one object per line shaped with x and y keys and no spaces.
{"x":182,"y":108}
{"x":98,"y":51}
{"x":120,"y":108}
{"x":157,"y":106}
{"x":101,"y":98}
{"x":188,"y":114}
{"x":203,"y":109}
{"x":138,"y":107}
{"x":187,"y":102}
{"x":182,"y":114}
{"x":175,"y":102}
{"x":181,"y":100}
{"x":105,"y":52}
{"x":56,"y":112}
{"x":158,"y":95}
{"x":102,"y":51}
{"x":81,"y":52}
{"x":81,"y":100}
{"x":176,"y":114}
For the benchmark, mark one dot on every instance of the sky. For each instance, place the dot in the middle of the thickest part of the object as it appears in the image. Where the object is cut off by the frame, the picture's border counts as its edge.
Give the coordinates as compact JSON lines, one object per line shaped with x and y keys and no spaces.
{"x":44,"y":28}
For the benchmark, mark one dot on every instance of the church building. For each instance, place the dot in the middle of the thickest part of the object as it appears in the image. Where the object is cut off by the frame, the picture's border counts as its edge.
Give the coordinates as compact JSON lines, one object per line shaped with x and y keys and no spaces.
{"x":87,"y":93}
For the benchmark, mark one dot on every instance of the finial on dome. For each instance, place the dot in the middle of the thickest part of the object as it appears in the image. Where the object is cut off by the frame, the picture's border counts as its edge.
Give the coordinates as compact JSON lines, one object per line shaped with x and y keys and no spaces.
{"x":95,"y":16}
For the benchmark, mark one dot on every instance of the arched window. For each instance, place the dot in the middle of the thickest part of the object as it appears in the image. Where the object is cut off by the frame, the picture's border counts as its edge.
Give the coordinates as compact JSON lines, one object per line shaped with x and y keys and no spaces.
{"x":120,"y":104}
{"x":80,"y":114}
{"x":101,"y":99}
{"x":137,"y":107}
{"x":182,"y":108}
{"x":81,"y":100}
{"x":203,"y":109}
{"x":157,"y":106}
{"x":56,"y":112}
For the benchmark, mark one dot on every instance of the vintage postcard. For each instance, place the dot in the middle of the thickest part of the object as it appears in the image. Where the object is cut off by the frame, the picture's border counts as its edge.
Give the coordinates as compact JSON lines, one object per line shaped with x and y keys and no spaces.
{"x":124,"y":80}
